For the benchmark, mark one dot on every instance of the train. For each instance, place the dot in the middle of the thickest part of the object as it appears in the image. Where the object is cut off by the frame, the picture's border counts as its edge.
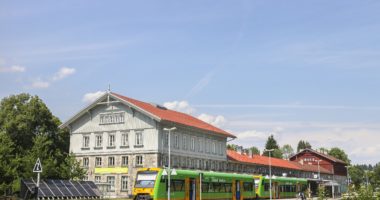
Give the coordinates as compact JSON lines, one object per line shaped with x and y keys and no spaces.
{"x":152,"y":184}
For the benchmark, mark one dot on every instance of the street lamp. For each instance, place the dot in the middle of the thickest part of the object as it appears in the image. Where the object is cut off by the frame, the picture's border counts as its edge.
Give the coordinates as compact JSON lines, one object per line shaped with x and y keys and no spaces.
{"x":169,"y":171}
{"x":270,"y":172}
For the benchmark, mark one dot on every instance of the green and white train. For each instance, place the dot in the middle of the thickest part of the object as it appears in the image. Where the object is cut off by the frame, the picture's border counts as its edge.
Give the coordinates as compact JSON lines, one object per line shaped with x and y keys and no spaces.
{"x":151,"y":184}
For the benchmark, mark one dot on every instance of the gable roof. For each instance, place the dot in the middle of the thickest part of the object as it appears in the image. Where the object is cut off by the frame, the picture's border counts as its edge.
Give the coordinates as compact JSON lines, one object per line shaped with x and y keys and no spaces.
{"x":157,"y":113}
{"x":332,"y":158}
{"x":276,"y":162}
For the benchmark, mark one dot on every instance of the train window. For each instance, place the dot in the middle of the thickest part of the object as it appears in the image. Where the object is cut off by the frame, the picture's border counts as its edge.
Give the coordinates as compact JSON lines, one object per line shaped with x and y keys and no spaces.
{"x":266,"y":186}
{"x":217,"y":187}
{"x":204,"y":187}
{"x":178,"y":185}
{"x":248,"y":186}
{"x":211,"y":187}
{"x":228,"y":187}
{"x":145,"y":179}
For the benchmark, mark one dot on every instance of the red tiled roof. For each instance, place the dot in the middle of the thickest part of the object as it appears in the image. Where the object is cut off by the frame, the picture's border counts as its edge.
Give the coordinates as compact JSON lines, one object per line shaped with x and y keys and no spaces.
{"x":261,"y":160}
{"x":276,"y":162}
{"x":174,"y":116}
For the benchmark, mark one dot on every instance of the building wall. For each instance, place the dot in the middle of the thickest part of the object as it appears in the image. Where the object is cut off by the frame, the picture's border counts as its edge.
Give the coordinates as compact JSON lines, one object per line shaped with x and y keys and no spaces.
{"x":312,"y":158}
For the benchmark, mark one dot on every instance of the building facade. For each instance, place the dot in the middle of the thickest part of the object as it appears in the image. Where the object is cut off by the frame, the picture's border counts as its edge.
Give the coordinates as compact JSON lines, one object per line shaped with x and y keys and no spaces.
{"x":116,"y":135}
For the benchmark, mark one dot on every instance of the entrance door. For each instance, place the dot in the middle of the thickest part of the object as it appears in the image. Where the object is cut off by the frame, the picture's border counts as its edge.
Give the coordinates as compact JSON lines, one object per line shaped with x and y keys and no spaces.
{"x":237,"y":184}
{"x":192,"y":190}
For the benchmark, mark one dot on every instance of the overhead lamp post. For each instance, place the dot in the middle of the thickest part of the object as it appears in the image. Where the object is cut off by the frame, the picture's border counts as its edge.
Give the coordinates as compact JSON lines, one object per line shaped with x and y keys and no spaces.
{"x":270,"y":172}
{"x":169,"y":170}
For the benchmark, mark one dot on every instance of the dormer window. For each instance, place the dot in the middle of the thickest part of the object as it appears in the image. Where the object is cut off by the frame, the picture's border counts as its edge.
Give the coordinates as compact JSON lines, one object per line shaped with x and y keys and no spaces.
{"x":112,"y":118}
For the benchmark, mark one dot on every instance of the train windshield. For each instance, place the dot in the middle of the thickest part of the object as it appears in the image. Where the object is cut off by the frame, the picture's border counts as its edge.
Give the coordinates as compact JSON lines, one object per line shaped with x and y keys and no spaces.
{"x":146,"y":179}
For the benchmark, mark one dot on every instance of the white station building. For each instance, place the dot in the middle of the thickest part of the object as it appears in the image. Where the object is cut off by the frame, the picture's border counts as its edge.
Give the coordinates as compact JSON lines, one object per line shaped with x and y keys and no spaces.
{"x":116,"y":135}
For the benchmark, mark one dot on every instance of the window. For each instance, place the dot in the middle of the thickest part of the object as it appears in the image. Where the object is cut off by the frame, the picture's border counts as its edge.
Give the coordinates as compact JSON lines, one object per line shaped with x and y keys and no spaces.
{"x":213,"y":148}
{"x":111,"y":118}
{"x":248,"y":186}
{"x":139,"y":160}
{"x":166,"y":139}
{"x":176,"y":141}
{"x":85,"y":162}
{"x":98,"y":179}
{"x":111,"y":140}
{"x":206,"y":146}
{"x":111,"y":161}
{"x":184,"y":142}
{"x":192,"y":143}
{"x":85,"y":178}
{"x":139,"y":138}
{"x":111,"y":183}
{"x":124,"y":161}
{"x":86,"y":141}
{"x":98,"y":161}
{"x":98,"y":141}
{"x":124,"y":139}
{"x":200,"y":145}
{"x":124,"y":183}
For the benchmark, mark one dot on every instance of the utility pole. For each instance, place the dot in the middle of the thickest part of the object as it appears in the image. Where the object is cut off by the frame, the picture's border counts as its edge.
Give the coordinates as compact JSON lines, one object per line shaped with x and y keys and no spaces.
{"x":270,"y":172}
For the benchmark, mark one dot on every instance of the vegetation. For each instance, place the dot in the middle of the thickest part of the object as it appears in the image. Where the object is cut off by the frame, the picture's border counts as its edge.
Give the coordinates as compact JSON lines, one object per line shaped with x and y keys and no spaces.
{"x":287,"y":151}
{"x":28,"y":131}
{"x":272,"y":144}
{"x":303,"y":145}
{"x":340,"y":154}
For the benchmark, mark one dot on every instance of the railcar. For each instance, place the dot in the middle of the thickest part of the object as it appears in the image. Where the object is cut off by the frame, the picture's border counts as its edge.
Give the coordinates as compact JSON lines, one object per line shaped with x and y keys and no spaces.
{"x":282,"y":187}
{"x":152,"y":184}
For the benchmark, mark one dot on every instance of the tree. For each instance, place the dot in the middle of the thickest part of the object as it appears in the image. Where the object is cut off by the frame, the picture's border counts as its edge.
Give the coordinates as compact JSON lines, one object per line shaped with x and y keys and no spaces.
{"x":339,"y":154}
{"x":272,"y":144}
{"x":287,"y":151}
{"x":356,"y":174}
{"x":303,"y":145}
{"x":232,"y":147}
{"x":27,"y":123}
{"x":255,"y":150}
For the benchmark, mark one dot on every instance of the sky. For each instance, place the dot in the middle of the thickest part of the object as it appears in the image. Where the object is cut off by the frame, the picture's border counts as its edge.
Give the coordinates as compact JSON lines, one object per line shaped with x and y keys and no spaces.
{"x":300,"y":70}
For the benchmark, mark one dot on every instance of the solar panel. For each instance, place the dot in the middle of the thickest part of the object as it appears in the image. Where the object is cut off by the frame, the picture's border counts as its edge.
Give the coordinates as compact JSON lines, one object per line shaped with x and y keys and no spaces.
{"x":58,"y":189}
{"x":71,"y":188}
{"x":87,"y":188}
{"x":79,"y":188}
{"x":63,"y":188}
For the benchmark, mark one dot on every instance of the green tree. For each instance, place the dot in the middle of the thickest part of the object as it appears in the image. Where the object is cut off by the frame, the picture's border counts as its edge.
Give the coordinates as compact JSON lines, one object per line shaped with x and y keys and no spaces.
{"x":287,"y":151}
{"x":356,"y":174}
{"x":303,"y":145}
{"x":255,"y":150}
{"x":231,"y":146}
{"x":339,"y":154}
{"x":272,"y":144}
{"x":27,"y":123}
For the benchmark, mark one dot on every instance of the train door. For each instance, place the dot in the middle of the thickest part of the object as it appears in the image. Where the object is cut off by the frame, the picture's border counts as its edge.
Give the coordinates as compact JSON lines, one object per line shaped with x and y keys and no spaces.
{"x":238,"y":192}
{"x":192,"y":190}
{"x":276,"y":190}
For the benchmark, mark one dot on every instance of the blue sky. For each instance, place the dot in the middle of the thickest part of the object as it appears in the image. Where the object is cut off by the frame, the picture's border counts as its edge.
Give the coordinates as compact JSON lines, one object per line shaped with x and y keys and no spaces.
{"x":297,"y":69}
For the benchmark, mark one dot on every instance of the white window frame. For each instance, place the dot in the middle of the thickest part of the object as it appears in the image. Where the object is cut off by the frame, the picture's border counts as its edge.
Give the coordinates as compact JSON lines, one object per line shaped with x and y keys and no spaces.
{"x":111,"y":161}
{"x":124,"y":183}
{"x":124,"y":161}
{"x":86,"y":162}
{"x":86,"y":141}
{"x":98,"y":179}
{"x":139,"y":160}
{"x":184,"y":142}
{"x":192,"y":143}
{"x":111,"y":183}
{"x":98,"y":140}
{"x":98,"y":161}
{"x":111,"y":118}
{"x":124,"y":139}
{"x":111,"y":139}
{"x":139,"y":138}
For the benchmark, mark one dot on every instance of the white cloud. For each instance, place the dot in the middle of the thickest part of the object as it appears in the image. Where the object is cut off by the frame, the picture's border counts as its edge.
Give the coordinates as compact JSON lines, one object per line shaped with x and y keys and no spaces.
{"x":200,"y":84}
{"x":13,"y":69}
{"x":181,"y":106}
{"x":218,"y":120}
{"x":92,"y":96}
{"x":63,"y":73}
{"x":40,"y":84}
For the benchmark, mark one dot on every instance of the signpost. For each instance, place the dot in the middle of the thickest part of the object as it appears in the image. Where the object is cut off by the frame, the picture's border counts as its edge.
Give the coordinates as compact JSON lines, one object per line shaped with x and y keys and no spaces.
{"x":37,"y":169}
